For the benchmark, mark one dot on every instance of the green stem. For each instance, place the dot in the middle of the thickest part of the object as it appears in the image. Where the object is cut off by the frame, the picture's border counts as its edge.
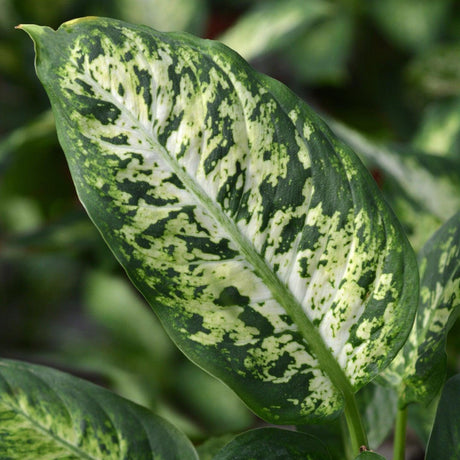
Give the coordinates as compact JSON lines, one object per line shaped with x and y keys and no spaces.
{"x":400,"y":435}
{"x":348,"y":454}
{"x":358,"y":435}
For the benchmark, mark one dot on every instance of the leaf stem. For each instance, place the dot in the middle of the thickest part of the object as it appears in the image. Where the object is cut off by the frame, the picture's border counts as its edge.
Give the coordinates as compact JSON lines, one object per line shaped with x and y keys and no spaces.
{"x":356,"y":430}
{"x":346,"y":439}
{"x":399,"y":446}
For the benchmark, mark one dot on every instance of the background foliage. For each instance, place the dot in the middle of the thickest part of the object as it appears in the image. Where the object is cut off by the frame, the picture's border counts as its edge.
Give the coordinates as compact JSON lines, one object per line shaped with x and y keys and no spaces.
{"x":387,"y":70}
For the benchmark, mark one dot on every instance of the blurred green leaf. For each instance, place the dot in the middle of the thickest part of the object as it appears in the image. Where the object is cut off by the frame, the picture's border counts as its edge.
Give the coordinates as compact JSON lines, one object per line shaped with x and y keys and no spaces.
{"x":113,"y":303}
{"x":272,"y":25}
{"x":439,"y":132}
{"x":421,"y":419}
{"x":378,"y":406}
{"x":211,"y":401}
{"x":410,"y":24}
{"x":165,"y":15}
{"x":8,"y":17}
{"x":444,"y":441}
{"x":31,"y":168}
{"x":9,"y":60}
{"x":436,"y":72}
{"x":211,"y":446}
{"x":273,"y":444}
{"x":20,"y":214}
{"x":48,"y":414}
{"x":42,"y":12}
{"x":71,"y":234}
{"x":320,"y":54}
{"x":35,"y":297}
{"x":42,"y":127}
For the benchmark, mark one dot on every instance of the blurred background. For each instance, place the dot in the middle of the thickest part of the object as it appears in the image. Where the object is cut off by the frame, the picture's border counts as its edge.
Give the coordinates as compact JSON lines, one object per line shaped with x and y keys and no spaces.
{"x":385,"y":74}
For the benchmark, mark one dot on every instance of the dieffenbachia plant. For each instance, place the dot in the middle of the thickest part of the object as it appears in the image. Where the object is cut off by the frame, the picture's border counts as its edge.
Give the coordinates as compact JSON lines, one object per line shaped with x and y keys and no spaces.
{"x":258,"y":238}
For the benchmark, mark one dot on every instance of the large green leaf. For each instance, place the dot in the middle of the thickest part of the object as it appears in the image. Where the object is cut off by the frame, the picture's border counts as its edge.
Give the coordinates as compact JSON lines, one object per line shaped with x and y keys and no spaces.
{"x":260,"y":241}
{"x":273,"y":444}
{"x":445,"y":438}
{"x":419,"y":369}
{"x":47,"y":414}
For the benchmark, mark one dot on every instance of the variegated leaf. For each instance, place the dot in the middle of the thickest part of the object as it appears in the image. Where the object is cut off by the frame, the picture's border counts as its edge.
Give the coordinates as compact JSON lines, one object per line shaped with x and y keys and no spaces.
{"x":419,"y":369}
{"x":260,"y":240}
{"x":46,"y":414}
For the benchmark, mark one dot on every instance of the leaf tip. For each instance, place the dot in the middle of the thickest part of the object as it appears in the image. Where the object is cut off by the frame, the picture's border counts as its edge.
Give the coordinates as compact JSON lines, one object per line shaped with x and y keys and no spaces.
{"x":33,"y":30}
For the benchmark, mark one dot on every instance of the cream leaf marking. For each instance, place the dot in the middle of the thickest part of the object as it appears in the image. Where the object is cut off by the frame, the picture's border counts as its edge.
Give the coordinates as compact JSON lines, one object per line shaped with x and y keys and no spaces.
{"x":259,"y":240}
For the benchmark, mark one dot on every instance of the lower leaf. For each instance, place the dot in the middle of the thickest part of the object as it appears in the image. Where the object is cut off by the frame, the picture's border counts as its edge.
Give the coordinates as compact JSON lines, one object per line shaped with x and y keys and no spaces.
{"x":445,"y":438}
{"x":48,"y":414}
{"x":369,"y":456}
{"x":273,"y":444}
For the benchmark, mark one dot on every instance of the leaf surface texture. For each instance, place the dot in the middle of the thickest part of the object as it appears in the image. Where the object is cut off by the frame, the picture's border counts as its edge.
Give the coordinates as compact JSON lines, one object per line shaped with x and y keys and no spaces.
{"x":259,"y":239}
